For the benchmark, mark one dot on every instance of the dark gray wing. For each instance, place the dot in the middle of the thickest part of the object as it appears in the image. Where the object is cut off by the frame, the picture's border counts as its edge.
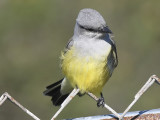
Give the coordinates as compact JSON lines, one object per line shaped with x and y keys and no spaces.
{"x":69,"y":45}
{"x":114,"y":52}
{"x":112,"y":60}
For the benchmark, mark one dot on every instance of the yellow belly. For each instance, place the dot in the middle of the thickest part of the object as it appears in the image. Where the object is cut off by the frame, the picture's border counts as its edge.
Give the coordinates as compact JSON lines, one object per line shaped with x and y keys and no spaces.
{"x":86,"y":73}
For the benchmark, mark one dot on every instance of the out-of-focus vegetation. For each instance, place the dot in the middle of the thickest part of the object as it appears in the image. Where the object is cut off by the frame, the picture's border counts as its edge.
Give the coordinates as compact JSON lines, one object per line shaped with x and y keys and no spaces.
{"x":33,"y":33}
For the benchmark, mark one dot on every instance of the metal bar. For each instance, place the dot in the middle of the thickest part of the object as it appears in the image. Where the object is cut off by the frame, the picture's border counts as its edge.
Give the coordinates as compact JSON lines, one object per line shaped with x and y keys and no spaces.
{"x":66,"y":101}
{"x":148,"y":114}
{"x":3,"y":99}
{"x":6,"y":95}
{"x":136,"y":115}
{"x":145,"y":87}
{"x":105,"y":105}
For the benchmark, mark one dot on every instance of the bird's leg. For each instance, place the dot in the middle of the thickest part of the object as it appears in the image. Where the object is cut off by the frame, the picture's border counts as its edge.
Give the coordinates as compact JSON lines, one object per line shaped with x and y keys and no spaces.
{"x":100,"y":101}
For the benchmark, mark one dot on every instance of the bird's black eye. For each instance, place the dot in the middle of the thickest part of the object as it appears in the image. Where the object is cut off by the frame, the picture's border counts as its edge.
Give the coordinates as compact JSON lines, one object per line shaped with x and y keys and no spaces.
{"x":88,"y":29}
{"x":99,"y":30}
{"x":91,"y":30}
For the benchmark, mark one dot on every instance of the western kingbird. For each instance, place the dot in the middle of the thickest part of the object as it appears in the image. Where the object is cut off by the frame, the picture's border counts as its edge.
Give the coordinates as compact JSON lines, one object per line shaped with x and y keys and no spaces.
{"x":88,"y":59}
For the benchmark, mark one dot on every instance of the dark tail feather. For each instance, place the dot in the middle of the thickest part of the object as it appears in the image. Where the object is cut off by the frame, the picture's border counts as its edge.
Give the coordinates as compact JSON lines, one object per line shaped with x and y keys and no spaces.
{"x":53,"y":90}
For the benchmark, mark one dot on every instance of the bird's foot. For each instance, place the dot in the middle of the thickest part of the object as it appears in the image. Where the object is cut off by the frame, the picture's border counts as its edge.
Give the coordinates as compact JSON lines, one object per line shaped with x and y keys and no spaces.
{"x":100,"y":101}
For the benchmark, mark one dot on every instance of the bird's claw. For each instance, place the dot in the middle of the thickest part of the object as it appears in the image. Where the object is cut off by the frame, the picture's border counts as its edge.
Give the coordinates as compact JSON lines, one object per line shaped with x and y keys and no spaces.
{"x":100,"y":102}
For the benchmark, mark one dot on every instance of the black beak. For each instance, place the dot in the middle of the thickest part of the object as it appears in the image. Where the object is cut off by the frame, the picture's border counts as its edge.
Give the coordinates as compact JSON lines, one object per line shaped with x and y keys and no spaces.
{"x":106,"y":30}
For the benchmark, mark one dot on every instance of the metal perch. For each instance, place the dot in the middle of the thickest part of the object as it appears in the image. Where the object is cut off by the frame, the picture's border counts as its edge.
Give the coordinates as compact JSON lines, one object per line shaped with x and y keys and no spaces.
{"x":149,"y":83}
{"x":6,"y":95}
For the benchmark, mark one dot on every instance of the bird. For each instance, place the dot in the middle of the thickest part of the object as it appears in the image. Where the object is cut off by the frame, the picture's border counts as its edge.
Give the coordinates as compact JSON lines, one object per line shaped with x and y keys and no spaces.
{"x":88,"y":59}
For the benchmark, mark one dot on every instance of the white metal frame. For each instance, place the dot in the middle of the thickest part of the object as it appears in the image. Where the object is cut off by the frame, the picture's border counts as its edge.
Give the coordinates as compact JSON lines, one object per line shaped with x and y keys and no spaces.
{"x":75,"y":91}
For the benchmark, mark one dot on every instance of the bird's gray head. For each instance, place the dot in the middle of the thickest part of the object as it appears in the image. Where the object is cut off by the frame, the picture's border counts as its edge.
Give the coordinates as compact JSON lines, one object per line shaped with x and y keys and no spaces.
{"x":91,"y":20}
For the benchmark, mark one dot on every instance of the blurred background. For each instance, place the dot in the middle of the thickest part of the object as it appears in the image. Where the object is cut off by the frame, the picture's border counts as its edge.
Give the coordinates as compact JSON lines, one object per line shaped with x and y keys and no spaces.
{"x":34,"y":32}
